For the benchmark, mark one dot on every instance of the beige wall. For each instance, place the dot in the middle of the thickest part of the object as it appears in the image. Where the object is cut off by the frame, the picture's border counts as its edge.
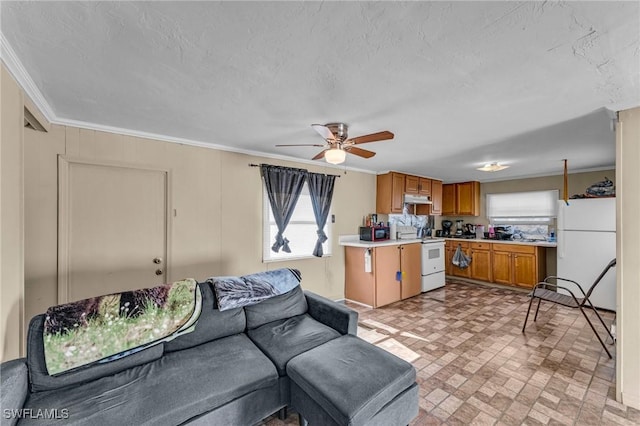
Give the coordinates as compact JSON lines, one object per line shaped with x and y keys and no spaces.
{"x":11,"y":217}
{"x":217,"y":229}
{"x":628,"y":254}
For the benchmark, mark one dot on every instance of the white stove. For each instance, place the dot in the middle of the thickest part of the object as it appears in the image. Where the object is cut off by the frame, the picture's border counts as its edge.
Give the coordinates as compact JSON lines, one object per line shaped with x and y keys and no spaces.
{"x":432,"y":264}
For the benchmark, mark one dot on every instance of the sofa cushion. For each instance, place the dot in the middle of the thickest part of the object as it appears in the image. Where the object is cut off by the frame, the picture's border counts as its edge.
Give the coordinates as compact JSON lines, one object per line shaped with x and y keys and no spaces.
{"x":372,"y":377}
{"x":283,"y":339}
{"x":169,"y":391}
{"x":41,"y":380}
{"x":284,"y":306}
{"x":212,"y":324}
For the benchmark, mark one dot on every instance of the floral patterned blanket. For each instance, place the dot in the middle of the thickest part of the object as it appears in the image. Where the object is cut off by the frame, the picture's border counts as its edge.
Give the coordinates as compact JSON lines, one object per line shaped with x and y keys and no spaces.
{"x":105,"y":328}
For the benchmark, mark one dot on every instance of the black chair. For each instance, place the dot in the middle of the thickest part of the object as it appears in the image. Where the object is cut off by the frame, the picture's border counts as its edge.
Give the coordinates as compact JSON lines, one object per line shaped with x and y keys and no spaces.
{"x":548,"y":291}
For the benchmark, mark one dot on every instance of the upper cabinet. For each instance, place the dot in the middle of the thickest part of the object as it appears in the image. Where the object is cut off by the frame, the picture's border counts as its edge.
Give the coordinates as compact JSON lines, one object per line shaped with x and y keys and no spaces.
{"x":417,"y":185}
{"x":436,"y":197}
{"x":461,"y":199}
{"x":392,"y":186}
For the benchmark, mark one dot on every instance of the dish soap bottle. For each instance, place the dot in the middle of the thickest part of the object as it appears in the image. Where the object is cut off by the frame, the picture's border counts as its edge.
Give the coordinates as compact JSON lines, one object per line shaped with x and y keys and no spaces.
{"x":492,"y":233}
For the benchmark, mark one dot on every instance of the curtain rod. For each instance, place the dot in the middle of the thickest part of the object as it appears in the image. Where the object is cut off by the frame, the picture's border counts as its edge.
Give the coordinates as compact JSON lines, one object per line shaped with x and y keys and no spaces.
{"x":264,"y":164}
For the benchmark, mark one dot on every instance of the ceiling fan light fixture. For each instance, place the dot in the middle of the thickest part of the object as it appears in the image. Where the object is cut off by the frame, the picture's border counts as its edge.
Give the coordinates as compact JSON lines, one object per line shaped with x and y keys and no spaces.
{"x":492,"y":167}
{"x":335,"y":156}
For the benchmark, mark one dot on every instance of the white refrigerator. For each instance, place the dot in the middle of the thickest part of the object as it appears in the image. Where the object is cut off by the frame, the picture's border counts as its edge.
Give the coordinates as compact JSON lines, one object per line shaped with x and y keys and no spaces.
{"x":586,"y":244}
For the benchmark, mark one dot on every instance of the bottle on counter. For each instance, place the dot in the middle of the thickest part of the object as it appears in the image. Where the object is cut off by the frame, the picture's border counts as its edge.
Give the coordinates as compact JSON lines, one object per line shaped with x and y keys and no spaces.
{"x":393,"y":231}
{"x":492,"y":233}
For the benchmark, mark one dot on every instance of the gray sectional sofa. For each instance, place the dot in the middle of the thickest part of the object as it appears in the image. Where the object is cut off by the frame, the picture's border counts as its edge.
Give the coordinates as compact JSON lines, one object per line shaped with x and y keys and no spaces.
{"x":237,"y":367}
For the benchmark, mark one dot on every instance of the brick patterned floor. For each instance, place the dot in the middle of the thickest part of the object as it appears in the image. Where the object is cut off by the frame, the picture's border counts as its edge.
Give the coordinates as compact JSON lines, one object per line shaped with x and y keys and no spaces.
{"x":475,"y":366}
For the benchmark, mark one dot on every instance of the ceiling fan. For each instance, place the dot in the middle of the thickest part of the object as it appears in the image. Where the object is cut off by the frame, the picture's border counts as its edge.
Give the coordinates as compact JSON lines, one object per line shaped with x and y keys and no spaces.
{"x":337,"y":147}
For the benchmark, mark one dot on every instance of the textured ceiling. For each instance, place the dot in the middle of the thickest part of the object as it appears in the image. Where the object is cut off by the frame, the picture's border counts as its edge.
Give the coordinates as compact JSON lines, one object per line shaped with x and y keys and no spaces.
{"x":459,"y":83}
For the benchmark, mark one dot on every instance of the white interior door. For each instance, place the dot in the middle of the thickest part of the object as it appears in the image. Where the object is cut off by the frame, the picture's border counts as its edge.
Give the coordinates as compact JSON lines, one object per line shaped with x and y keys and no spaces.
{"x":112,"y":229}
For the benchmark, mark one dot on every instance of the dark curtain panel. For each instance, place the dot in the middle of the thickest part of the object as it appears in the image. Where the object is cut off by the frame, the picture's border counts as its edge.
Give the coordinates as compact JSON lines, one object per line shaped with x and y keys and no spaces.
{"x":283,"y":187}
{"x":321,"y":190}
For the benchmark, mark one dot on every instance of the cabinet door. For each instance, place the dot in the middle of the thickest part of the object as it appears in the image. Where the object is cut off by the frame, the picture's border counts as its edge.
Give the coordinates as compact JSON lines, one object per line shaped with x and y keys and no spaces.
{"x":410,"y":258}
{"x":467,"y":198}
{"x":411,"y":184}
{"x":424,"y":186}
{"x":501,"y":267}
{"x":524,"y":270}
{"x":436,"y":197}
{"x":456,"y":270}
{"x":449,"y":199}
{"x":481,"y":265}
{"x":448,"y":255}
{"x":397,"y":192}
{"x":387,"y":264}
{"x":358,"y":284}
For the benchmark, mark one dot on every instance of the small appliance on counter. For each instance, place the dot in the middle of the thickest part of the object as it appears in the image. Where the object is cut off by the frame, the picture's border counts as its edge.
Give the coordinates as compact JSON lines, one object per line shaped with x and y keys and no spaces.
{"x":459,"y":226}
{"x":407,"y":232}
{"x":446,"y":228}
{"x":374,"y":233}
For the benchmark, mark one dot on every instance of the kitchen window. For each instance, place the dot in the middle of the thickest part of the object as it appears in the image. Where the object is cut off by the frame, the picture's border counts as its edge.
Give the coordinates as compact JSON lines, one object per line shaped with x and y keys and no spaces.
{"x":301,"y":231}
{"x":532,"y":207}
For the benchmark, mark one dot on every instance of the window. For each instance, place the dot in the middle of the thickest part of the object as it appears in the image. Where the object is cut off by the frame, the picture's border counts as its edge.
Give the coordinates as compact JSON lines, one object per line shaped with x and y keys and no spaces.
{"x":301,"y":231}
{"x":533,"y":207}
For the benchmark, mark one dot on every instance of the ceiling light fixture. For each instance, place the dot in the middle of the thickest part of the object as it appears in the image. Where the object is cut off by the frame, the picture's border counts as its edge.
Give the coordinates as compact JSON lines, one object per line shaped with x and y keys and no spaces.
{"x":335,"y":156}
{"x":493,"y":167}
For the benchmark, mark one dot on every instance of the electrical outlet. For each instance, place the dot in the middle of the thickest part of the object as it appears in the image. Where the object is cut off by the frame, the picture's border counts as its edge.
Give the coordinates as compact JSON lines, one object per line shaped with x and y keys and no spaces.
{"x":333,"y":218}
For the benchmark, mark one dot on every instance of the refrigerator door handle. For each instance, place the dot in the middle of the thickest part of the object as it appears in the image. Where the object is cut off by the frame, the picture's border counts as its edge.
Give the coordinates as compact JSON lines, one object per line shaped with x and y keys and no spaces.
{"x":560,"y":237}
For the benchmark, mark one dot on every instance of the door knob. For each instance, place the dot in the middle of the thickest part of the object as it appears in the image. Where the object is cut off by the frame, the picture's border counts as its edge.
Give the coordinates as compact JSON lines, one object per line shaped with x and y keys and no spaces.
{"x":157,"y":260}
{"x":158,"y":271}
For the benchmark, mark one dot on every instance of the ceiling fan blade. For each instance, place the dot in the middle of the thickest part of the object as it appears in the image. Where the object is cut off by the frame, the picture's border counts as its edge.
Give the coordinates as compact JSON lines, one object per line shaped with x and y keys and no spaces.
{"x":320,"y":155}
{"x":304,"y":144}
{"x":360,"y":152}
{"x":373,"y":137}
{"x":324,"y":132}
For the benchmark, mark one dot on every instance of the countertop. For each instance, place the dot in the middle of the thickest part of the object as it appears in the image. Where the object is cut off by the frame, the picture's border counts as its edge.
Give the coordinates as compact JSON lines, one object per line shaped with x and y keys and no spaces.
{"x":354,"y":241}
{"x":540,"y":243}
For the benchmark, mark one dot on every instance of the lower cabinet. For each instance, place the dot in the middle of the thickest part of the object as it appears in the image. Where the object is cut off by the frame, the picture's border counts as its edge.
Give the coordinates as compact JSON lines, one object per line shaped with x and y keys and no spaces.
{"x":510,"y":264}
{"x":456,"y":271}
{"x":481,"y":261}
{"x":381,"y":286}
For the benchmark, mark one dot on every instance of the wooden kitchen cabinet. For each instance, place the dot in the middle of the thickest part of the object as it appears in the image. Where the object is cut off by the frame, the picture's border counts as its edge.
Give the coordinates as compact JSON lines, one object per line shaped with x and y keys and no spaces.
{"x":380,"y":286}
{"x":518,"y":265}
{"x":481,"y":261}
{"x":501,"y":267}
{"x":436,"y":197}
{"x":410,"y":258}
{"x":385,"y":266}
{"x":461,"y":199}
{"x":450,"y":250}
{"x":424,"y":186}
{"x":468,"y":198}
{"x":390,"y":188}
{"x":411,"y":184}
{"x":449,"y":199}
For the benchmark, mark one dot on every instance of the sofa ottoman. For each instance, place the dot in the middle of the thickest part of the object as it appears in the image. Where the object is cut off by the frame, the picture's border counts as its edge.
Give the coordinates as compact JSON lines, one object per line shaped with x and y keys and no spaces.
{"x":348,"y":381}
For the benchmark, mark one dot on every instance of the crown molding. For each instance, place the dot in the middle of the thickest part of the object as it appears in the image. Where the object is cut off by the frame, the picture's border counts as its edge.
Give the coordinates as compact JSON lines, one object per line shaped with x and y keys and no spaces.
{"x":200,"y":144}
{"x":19,"y":72}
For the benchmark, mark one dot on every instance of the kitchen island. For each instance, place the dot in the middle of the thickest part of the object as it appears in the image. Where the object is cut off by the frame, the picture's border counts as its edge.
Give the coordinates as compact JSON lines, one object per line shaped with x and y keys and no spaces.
{"x":509,"y":262}
{"x":381,"y":272}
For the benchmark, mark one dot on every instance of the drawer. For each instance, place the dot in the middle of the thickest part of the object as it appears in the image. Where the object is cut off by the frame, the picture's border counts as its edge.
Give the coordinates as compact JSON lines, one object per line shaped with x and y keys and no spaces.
{"x":515,"y":248}
{"x":463,"y":244}
{"x":481,"y":246}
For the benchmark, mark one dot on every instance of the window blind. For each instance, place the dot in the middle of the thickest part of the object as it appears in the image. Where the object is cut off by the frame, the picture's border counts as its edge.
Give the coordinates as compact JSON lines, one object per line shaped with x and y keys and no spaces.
{"x":536,"y":205}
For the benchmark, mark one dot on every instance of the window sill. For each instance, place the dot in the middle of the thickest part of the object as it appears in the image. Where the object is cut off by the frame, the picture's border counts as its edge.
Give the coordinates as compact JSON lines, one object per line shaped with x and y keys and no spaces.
{"x":294,"y":258}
